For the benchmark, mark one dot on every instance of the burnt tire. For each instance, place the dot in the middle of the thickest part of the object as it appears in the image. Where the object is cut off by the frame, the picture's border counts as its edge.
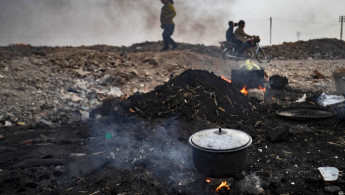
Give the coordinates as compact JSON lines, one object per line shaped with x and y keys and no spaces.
{"x":263,"y":55}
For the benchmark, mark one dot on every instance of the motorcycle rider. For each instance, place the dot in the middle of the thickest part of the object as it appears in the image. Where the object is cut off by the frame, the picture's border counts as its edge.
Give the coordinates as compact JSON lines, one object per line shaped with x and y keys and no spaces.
{"x":230,"y":32}
{"x":241,"y":38}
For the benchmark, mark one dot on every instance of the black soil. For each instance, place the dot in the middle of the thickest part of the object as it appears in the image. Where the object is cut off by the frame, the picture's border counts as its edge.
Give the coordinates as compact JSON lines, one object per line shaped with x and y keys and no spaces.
{"x":140,"y":145}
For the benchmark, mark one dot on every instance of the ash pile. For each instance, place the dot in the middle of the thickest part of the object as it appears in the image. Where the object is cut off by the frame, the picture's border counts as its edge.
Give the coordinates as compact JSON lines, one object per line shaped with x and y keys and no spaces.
{"x":195,"y":95}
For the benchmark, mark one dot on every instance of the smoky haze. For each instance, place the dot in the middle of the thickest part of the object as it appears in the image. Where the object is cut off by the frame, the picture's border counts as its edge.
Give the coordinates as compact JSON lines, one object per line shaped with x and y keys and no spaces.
{"x":124,"y":22}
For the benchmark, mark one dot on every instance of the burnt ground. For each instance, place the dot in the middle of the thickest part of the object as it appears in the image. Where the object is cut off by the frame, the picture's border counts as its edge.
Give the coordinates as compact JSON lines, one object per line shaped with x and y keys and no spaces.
{"x":139,"y":144}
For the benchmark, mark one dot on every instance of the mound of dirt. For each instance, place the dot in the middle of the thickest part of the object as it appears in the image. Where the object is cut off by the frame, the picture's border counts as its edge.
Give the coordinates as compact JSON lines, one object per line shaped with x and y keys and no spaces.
{"x":317,"y":49}
{"x":195,"y":94}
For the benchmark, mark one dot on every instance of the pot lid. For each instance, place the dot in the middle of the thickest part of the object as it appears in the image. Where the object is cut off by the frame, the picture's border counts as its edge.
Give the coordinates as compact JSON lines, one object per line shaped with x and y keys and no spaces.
{"x":305,"y":113}
{"x":220,"y":139}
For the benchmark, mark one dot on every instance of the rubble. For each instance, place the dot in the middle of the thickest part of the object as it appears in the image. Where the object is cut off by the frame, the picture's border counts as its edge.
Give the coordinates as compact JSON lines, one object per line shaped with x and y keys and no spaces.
{"x":55,"y":101}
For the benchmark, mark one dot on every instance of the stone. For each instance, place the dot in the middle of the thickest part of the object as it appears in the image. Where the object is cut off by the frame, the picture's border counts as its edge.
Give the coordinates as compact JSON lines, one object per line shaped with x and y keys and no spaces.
{"x":278,"y":134}
{"x":45,"y":124}
{"x":332,"y":189}
{"x":299,"y":129}
{"x":106,"y":80}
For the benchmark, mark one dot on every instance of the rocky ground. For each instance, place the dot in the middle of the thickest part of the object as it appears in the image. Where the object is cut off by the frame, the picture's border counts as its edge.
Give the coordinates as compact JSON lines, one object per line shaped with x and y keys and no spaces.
{"x":66,"y":106}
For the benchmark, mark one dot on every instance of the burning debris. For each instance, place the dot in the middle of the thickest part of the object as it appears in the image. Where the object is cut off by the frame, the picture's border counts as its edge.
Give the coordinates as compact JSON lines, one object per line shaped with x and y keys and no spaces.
{"x":195,"y":94}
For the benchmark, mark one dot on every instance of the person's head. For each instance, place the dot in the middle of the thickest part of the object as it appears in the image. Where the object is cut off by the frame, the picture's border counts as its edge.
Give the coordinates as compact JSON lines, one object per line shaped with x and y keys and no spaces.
{"x":167,"y":1}
{"x":241,"y":24}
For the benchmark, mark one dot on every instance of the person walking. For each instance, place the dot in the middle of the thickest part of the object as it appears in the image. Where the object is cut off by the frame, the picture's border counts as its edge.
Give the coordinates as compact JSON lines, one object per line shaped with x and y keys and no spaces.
{"x":167,"y":24}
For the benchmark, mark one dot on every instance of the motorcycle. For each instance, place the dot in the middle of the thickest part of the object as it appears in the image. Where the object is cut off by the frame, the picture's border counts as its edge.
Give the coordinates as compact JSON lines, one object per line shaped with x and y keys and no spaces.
{"x":229,"y":51}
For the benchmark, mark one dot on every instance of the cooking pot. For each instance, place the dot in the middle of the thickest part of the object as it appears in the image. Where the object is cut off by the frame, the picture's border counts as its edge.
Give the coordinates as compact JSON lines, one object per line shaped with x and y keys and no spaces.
{"x":220,"y":152}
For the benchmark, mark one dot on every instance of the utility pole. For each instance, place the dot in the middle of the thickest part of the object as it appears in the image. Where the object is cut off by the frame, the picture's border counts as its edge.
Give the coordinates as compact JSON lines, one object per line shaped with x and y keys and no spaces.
{"x":298,"y":33}
{"x":341,"y":20}
{"x":270,"y":30}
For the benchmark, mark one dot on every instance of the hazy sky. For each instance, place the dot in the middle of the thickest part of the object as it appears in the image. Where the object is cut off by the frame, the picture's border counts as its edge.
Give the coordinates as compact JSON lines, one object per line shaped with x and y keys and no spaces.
{"x":124,"y":22}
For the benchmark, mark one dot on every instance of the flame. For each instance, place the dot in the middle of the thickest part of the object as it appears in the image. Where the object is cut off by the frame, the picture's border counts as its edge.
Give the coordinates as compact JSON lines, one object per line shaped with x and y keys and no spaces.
{"x":262,"y":89}
{"x":208,"y":180}
{"x":223,"y":185}
{"x":225,"y":79}
{"x":244,"y":90}
{"x":273,"y":98}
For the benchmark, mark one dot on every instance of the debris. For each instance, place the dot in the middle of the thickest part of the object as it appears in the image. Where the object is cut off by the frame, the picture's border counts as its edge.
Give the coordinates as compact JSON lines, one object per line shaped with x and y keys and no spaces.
{"x":329,"y":174}
{"x":21,"y":123}
{"x":8,"y":124}
{"x":278,"y":134}
{"x":326,"y":100}
{"x":299,"y":129}
{"x":115,"y":91}
{"x":318,"y":75}
{"x":1,"y":77}
{"x":332,"y":189}
{"x":302,"y":99}
{"x":277,"y":82}
{"x":45,"y":124}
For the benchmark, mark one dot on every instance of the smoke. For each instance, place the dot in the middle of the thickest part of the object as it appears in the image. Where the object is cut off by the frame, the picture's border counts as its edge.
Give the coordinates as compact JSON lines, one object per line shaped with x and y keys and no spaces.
{"x":157,"y":147}
{"x":124,"y":22}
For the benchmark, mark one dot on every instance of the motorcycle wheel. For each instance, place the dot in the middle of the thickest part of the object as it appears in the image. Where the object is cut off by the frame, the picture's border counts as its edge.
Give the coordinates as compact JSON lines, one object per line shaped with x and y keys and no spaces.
{"x":263,"y":55}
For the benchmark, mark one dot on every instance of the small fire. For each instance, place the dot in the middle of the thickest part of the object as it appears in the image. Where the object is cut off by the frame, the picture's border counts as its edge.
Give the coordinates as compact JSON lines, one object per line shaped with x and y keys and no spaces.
{"x":223,"y":185}
{"x":262,"y":89}
{"x":244,"y":90}
{"x":225,"y":79}
{"x":208,"y":180}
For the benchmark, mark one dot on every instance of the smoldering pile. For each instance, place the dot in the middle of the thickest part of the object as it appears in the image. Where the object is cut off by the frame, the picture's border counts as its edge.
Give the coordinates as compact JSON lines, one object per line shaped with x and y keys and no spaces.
{"x":195,"y":94}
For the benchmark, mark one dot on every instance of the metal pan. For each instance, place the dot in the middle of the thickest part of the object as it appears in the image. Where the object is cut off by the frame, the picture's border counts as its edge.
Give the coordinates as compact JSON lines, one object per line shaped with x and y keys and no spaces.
{"x":305,"y":113}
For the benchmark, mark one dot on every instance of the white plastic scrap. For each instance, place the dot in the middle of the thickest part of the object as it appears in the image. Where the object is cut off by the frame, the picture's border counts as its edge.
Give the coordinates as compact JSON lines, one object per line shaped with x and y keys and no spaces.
{"x":325,"y":100}
{"x":302,"y":99}
{"x":329,"y":173}
{"x":115,"y":91}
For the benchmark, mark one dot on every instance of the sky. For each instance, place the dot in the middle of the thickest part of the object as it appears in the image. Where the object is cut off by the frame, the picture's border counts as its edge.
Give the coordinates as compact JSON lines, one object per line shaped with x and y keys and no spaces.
{"x":125,"y":22}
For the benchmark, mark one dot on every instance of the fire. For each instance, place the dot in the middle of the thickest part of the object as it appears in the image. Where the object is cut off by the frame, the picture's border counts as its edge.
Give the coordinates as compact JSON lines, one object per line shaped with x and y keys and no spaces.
{"x":208,"y":180}
{"x":223,"y":185}
{"x":262,"y":89}
{"x":244,"y":90}
{"x":225,"y":79}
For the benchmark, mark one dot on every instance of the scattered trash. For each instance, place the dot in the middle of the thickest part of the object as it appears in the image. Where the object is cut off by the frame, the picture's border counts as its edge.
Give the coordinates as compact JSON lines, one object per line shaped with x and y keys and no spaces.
{"x":326,"y":100}
{"x":8,"y":124}
{"x":302,"y":99}
{"x":1,"y":77}
{"x":21,"y":123}
{"x":115,"y":91}
{"x":249,"y":65}
{"x":329,"y":174}
{"x":260,"y":150}
{"x":76,"y":154}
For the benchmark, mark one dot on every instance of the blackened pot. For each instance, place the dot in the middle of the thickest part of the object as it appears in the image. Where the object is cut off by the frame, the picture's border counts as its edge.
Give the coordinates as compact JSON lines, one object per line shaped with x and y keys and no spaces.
{"x":220,"y":152}
{"x":251,"y":78}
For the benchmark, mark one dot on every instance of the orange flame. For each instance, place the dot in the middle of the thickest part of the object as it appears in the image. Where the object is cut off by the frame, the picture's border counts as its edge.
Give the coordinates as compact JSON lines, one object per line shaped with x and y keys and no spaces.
{"x":225,"y":79}
{"x":208,"y":180}
{"x":223,"y":185}
{"x":244,"y":90}
{"x":262,"y":89}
